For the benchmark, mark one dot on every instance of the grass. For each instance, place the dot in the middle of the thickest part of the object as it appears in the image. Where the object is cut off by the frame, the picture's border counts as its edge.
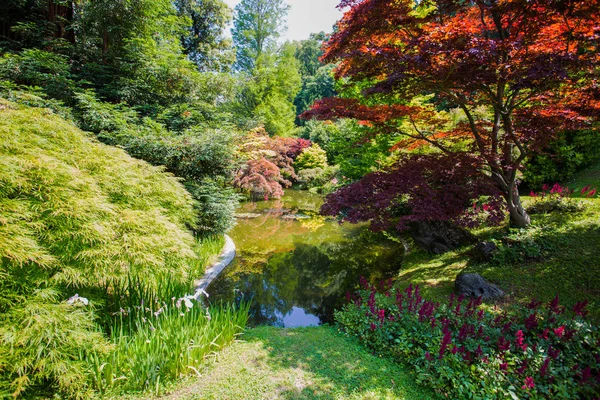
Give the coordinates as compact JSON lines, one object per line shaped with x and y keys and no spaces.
{"x":590,"y":176}
{"x":303,"y":363}
{"x":170,"y":343}
{"x":569,"y":266}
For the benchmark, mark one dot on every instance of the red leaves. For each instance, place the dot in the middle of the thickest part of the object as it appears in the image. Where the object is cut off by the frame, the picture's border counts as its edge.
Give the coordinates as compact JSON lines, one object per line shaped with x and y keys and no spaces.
{"x":261,"y":178}
{"x":336,"y":108}
{"x":420,"y":187}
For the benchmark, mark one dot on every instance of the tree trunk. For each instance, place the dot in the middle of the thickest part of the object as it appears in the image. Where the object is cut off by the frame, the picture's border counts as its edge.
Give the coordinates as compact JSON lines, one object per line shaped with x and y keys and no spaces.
{"x":61,"y":16}
{"x":518,"y":216}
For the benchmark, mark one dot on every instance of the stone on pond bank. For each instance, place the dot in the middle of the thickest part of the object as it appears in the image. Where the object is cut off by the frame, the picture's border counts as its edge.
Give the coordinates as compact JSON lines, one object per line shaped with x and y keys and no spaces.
{"x":473,"y":285}
{"x":247,"y":216}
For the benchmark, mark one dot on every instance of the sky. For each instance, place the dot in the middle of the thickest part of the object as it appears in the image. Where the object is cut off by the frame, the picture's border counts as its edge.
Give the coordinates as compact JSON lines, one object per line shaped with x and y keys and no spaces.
{"x":307,"y":16}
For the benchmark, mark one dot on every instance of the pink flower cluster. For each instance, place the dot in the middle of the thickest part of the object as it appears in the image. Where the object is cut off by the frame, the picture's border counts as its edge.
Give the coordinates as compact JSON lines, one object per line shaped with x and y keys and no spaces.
{"x":563,"y":191}
{"x":532,"y":346}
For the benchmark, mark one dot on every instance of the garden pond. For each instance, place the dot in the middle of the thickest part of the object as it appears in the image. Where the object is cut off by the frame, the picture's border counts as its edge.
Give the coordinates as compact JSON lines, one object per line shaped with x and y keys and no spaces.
{"x":296,"y":266}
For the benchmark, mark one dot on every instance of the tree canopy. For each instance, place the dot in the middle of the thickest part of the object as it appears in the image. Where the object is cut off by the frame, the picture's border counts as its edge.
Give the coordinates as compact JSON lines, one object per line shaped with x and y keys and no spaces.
{"x":518,"y":70}
{"x":257,"y":24}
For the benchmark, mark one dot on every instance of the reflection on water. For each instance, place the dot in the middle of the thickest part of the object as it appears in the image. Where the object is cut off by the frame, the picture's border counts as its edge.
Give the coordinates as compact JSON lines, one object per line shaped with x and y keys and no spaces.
{"x":296,"y":266}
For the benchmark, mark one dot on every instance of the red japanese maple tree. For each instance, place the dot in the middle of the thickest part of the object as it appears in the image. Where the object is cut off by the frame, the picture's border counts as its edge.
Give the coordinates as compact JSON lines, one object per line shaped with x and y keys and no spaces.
{"x":519,"y":71}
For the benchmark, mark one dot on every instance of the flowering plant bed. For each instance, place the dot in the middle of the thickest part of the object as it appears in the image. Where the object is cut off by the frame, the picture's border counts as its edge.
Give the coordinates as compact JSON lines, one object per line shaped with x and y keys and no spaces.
{"x":559,"y":198}
{"x":465,"y":351}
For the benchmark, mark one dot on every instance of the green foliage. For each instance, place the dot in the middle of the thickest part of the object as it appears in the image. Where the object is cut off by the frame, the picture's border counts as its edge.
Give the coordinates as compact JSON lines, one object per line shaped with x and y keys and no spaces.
{"x":256,"y":26}
{"x":44,"y":69}
{"x":312,"y":157}
{"x":80,"y":216}
{"x":268,"y":93}
{"x":351,"y":146}
{"x":216,"y":203}
{"x":34,"y":97}
{"x":202,"y":157}
{"x":315,"y":178}
{"x":463,"y":351}
{"x":558,"y":199}
{"x":523,"y":245}
{"x":39,"y":349}
{"x":36,"y":23}
{"x":205,"y":43}
{"x":107,"y":213}
{"x":159,"y":335}
{"x":98,"y":117}
{"x":315,"y":87}
{"x":565,"y":156}
{"x":317,"y":79}
{"x":308,"y":53}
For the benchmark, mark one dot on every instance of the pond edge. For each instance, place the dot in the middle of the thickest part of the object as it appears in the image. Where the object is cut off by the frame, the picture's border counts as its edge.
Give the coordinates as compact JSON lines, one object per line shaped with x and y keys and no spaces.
{"x":225,"y":258}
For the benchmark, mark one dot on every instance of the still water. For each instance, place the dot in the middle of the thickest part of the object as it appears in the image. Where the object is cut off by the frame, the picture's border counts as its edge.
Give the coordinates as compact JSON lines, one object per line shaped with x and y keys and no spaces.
{"x":296,"y":266}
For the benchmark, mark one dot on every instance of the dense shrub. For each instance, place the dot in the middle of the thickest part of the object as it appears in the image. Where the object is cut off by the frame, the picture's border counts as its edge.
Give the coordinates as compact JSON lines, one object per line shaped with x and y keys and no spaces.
{"x":105,"y":212}
{"x":34,"y":97}
{"x":202,"y":157}
{"x":101,"y":117}
{"x":523,"y":245}
{"x":34,"y":67}
{"x":42,"y":350}
{"x":216,"y":203}
{"x":312,"y":157}
{"x":317,"y":177}
{"x":568,"y":154}
{"x":465,"y":351}
{"x":261,"y":179}
{"x":268,"y":163}
{"x":74,"y":215}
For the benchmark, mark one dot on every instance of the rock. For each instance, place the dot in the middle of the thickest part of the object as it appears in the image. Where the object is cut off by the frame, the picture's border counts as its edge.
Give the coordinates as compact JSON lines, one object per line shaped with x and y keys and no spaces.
{"x":484,"y":251}
{"x":278,"y":211}
{"x":295,"y":217}
{"x":247,"y":216}
{"x":439,"y":237}
{"x":473,"y":285}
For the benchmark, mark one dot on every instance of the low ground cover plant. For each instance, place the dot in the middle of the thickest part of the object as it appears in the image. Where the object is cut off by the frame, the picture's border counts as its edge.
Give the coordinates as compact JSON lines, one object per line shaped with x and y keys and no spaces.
{"x":465,"y":351}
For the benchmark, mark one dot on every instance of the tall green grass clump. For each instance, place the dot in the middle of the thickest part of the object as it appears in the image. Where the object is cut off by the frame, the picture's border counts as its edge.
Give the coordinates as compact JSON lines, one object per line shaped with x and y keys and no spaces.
{"x":158,"y":341}
{"x":80,"y":217}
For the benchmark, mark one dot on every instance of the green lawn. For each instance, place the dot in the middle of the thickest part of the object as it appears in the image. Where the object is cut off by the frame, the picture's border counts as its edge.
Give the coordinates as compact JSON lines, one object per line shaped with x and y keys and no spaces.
{"x":591,"y":176}
{"x":304,"y":363}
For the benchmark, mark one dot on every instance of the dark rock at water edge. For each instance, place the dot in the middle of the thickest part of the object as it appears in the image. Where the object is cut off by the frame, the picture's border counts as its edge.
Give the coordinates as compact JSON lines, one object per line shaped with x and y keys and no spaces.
{"x":439,"y":237}
{"x":473,"y":285}
{"x":484,"y":251}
